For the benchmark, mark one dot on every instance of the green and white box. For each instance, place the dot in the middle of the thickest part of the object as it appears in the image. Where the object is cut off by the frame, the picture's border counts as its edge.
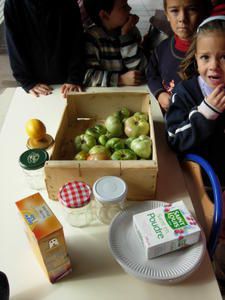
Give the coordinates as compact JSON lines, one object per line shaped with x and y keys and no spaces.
{"x":166,"y":229}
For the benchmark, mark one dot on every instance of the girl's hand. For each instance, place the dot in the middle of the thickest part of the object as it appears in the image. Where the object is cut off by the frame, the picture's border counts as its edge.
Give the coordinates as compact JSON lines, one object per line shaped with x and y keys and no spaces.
{"x":164,"y":100}
{"x":41,"y":89}
{"x":131,"y":78}
{"x":217,"y":98}
{"x":68,"y":87}
{"x":130,"y":24}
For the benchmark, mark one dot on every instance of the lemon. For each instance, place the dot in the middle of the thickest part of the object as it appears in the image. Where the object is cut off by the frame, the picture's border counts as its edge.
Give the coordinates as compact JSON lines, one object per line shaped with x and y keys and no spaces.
{"x":35,"y":129}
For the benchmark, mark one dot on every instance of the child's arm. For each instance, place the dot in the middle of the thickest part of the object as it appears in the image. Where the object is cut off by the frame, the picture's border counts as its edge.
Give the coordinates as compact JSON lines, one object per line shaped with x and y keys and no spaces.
{"x":187,"y":128}
{"x":132,"y":54}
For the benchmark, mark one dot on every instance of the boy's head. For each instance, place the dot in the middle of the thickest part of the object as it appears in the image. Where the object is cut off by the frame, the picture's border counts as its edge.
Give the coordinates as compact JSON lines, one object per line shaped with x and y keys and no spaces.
{"x":185,"y":15}
{"x":108,"y":13}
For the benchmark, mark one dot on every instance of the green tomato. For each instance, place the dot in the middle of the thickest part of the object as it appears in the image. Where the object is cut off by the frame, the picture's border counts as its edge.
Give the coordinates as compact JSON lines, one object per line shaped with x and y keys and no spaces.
{"x":84,"y":142}
{"x":124,"y":154}
{"x":128,"y":141}
{"x":125,"y":112}
{"x":114,"y":126}
{"x":142,"y":146}
{"x":100,"y":149}
{"x":135,"y":126}
{"x":101,"y":129}
{"x":92,"y":132}
{"x":82,"y":155}
{"x":103,"y":139}
{"x":141,"y":115}
{"x":115,"y":143}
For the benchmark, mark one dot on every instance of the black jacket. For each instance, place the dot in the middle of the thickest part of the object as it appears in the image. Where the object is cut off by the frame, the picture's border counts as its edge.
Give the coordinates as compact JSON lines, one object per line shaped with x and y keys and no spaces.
{"x":45,"y":41}
{"x":189,"y":131}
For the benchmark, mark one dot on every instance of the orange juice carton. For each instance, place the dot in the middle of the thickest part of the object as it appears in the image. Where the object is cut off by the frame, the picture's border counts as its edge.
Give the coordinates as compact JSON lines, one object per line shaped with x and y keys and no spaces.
{"x":45,"y":234}
{"x":166,"y":229}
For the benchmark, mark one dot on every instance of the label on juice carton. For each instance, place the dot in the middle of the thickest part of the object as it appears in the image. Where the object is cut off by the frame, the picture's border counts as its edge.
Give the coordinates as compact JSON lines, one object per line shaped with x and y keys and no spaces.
{"x":166,"y":229}
{"x":45,"y":234}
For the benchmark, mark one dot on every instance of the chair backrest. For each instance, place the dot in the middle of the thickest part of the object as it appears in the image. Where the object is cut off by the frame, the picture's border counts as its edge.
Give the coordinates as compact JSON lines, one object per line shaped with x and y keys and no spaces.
{"x":210,"y":211}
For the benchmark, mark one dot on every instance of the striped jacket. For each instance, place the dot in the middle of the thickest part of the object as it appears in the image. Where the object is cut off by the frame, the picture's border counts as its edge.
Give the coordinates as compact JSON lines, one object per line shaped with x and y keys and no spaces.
{"x":108,"y":56}
{"x":194,"y":126}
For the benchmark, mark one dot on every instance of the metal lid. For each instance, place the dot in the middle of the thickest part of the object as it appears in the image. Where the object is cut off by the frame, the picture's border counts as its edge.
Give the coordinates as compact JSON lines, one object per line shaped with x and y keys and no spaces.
{"x":75,"y":194}
{"x":33,"y":159}
{"x":110,"y":189}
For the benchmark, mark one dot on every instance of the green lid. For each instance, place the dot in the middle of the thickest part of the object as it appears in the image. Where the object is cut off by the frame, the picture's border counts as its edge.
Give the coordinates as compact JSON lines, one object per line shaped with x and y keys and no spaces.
{"x":33,"y":159}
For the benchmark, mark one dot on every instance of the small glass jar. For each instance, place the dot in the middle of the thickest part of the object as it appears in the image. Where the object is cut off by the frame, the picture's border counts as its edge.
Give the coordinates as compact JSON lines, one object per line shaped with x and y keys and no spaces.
{"x":75,"y":198}
{"x":32,"y":162}
{"x":110,"y":194}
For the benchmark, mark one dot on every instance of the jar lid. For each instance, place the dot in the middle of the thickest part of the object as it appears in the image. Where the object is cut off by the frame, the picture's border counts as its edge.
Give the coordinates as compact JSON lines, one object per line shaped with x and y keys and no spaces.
{"x":110,"y":189}
{"x":75,"y":194}
{"x":33,"y":159}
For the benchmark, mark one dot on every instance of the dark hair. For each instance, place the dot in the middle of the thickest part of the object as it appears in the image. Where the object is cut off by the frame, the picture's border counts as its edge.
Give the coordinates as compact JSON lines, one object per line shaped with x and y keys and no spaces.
{"x":188,"y":66}
{"x":206,"y":6}
{"x":93,"y":7}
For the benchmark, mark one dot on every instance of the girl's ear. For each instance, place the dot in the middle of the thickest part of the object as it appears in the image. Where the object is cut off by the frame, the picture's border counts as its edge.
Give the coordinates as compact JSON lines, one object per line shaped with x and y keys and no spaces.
{"x":103,"y":15}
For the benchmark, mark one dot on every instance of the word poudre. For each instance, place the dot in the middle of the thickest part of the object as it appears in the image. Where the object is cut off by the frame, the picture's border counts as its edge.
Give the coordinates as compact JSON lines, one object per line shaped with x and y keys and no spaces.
{"x":166,"y":229}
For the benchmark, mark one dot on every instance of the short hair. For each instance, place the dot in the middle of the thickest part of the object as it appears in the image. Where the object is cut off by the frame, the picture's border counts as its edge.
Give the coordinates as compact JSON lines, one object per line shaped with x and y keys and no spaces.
{"x":207,"y":6}
{"x":93,"y":7}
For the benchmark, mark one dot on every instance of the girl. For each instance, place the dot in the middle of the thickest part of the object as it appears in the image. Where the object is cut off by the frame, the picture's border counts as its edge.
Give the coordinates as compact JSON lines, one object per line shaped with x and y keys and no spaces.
{"x":195,"y":120}
{"x":184,"y":17}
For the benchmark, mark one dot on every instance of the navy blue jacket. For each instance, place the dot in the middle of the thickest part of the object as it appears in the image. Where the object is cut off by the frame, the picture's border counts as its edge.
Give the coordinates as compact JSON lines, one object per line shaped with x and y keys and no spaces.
{"x":163,"y":67}
{"x":45,"y":41}
{"x":189,"y":131}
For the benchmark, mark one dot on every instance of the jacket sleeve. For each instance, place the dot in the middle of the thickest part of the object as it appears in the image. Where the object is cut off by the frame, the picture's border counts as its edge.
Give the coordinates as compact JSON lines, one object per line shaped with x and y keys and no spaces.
{"x":153,"y":75}
{"x":76,"y":65}
{"x":95,"y":75}
{"x":15,"y":44}
{"x":131,"y":52}
{"x":187,"y":129}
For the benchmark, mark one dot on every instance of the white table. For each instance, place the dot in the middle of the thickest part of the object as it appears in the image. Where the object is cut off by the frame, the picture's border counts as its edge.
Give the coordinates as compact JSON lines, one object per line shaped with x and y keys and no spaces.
{"x":96,"y":275}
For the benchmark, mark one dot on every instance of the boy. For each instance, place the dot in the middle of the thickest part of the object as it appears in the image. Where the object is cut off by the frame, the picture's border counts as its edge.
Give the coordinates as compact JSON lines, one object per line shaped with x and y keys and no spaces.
{"x":113,"y":56}
{"x":45,"y":45}
{"x":184,"y":17}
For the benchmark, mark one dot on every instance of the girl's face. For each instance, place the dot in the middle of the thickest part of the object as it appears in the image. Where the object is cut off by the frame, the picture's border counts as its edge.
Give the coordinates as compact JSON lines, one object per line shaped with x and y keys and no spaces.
{"x":184,"y":16}
{"x":119,"y":14}
{"x":210,"y":57}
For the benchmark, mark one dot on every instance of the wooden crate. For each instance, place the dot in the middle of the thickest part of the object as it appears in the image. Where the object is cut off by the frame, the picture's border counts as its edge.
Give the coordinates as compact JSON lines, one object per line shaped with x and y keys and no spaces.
{"x":83,"y":110}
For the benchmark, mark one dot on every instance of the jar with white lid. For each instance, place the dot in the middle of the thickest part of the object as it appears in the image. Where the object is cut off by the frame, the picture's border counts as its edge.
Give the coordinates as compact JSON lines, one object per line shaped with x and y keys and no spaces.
{"x":32,"y":162}
{"x":110,"y":194}
{"x":75,"y":198}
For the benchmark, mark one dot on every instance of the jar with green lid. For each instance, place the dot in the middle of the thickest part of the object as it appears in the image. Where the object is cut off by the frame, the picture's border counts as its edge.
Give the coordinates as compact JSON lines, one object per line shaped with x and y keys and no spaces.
{"x":32,"y":162}
{"x":110,"y":194}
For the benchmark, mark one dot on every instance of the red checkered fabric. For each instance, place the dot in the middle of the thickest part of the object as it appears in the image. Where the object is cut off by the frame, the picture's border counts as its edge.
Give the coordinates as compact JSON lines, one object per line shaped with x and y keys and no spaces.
{"x":75,"y":194}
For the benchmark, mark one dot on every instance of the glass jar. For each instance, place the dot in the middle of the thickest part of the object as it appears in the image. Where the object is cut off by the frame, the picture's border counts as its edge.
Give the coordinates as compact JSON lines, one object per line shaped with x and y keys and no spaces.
{"x":75,"y":198}
{"x":32,"y":162}
{"x":110,"y":194}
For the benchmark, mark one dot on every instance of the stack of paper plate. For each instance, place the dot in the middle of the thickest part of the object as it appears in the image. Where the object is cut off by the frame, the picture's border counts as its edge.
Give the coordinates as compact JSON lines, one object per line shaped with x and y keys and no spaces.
{"x":129,"y":253}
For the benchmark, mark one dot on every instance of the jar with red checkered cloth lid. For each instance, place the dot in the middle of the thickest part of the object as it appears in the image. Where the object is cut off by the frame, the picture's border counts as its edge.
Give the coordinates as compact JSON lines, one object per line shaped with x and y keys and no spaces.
{"x":75,"y":198}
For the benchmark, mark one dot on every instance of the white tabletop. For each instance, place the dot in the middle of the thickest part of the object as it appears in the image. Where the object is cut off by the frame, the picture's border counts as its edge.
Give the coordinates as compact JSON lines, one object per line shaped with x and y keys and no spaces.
{"x":96,"y":275}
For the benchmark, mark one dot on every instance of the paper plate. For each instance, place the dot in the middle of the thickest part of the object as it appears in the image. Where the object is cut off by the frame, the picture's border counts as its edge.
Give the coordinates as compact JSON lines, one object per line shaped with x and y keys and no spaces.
{"x":129,"y":253}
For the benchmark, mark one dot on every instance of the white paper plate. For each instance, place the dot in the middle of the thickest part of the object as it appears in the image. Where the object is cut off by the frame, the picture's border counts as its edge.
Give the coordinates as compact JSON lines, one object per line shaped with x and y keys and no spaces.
{"x":129,"y":253}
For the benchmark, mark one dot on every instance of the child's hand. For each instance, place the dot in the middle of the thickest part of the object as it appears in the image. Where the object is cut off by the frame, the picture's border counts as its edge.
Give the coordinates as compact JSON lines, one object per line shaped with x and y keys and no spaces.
{"x":132,"y":21}
{"x":68,"y":87}
{"x":217,"y":98}
{"x":131,"y":78}
{"x":41,"y":89}
{"x":164,"y":100}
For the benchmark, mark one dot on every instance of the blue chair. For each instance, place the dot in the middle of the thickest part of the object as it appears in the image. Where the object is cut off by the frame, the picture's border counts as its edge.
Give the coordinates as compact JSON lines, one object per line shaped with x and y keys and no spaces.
{"x":217,"y":200}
